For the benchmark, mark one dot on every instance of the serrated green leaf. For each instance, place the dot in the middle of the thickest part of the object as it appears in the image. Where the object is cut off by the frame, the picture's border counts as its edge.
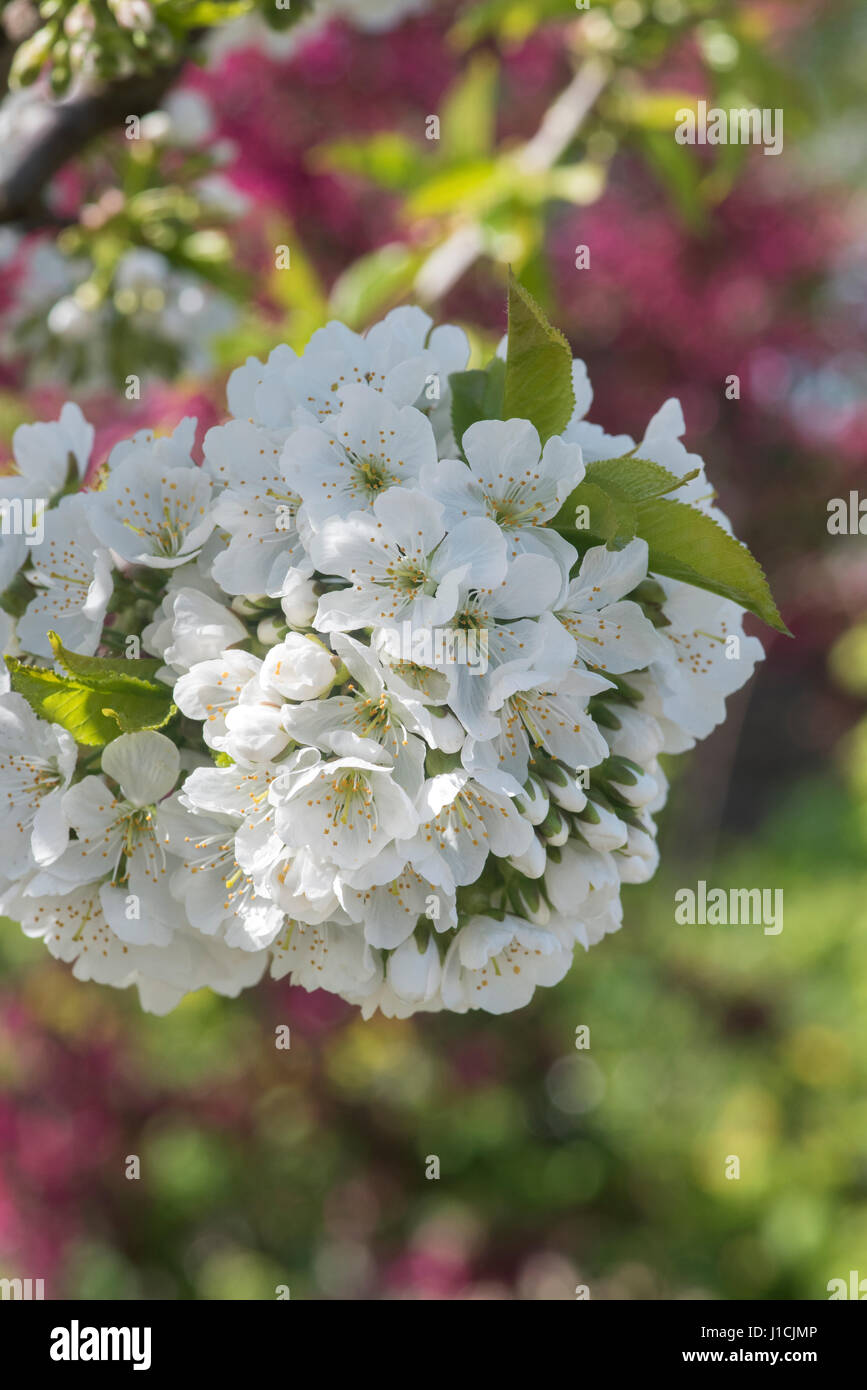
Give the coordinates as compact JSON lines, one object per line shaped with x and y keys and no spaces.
{"x":635,"y":479}
{"x":610,"y":491}
{"x":129,"y":719}
{"x":538,"y":382}
{"x":625,"y":497}
{"x":687,"y":544}
{"x":74,"y":707}
{"x":92,"y":705}
{"x":477,"y":395}
{"x":104,"y":672}
{"x":605,"y":520}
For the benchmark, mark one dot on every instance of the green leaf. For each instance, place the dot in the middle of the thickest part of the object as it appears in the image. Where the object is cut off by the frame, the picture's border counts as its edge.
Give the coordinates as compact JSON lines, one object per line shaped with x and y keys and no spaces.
{"x":511,"y":20}
{"x":52,"y":697}
{"x":387,"y":158}
{"x":99,"y":699}
{"x":538,"y":384}
{"x":15,"y":599}
{"x":625,"y":497}
{"x":280,"y":19}
{"x":470,"y":189}
{"x":635,"y":479}
{"x":208,"y":13}
{"x":81,"y":709}
{"x":477,"y":395}
{"x":104,"y":672}
{"x":468,"y":125}
{"x":679,"y":171}
{"x":610,"y":490}
{"x":687,"y":544}
{"x":605,"y":520}
{"x":372,"y":281}
{"x":141,"y":712}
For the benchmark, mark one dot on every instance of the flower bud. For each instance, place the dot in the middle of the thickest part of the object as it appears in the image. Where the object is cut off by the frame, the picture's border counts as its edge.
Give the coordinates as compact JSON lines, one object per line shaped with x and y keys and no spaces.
{"x":270,"y":631}
{"x":555,"y":828}
{"x":299,"y":668}
{"x":532,"y":861}
{"x":570,"y":795}
{"x":639,"y":791}
{"x":533,"y":802}
{"x":298,"y":599}
{"x":533,"y":905}
{"x":640,"y":857}
{"x":604,"y":831}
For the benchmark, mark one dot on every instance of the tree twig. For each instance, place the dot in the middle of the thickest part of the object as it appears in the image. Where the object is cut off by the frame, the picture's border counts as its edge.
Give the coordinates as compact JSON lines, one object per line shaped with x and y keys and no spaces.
{"x":71,"y":126}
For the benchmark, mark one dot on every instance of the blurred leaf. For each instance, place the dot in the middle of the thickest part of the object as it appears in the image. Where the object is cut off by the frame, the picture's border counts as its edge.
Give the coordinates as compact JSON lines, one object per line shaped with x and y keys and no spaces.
{"x":678,"y":169}
{"x":387,"y":158}
{"x":469,"y":113}
{"x":298,"y":291}
{"x":511,"y":20}
{"x":468,"y":189}
{"x":728,"y":164}
{"x":848,"y":660}
{"x":581,"y":183}
{"x":653,"y":110}
{"x":204,"y":14}
{"x":373,"y":281}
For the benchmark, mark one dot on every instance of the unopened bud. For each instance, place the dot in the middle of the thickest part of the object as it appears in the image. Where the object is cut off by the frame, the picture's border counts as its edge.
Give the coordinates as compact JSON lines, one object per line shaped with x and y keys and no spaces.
{"x":570,"y":795}
{"x":533,"y":802}
{"x":532,"y":862}
{"x":602,"y":830}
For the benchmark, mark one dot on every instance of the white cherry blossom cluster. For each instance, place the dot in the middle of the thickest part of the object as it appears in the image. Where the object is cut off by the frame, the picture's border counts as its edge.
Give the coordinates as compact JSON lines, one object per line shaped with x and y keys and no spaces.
{"x":416,"y":744}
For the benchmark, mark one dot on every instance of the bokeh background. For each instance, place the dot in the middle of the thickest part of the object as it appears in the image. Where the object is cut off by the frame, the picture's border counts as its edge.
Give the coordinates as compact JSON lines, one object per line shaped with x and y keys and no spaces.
{"x":602,"y":1166}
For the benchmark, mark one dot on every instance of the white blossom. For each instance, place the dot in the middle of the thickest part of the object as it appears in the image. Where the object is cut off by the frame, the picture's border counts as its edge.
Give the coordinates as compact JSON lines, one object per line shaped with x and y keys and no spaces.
{"x":191,"y":625}
{"x":402,"y":563}
{"x":608,"y":633}
{"x":344,"y":464}
{"x":155,"y":509}
{"x":496,"y":965}
{"x":348,"y":809}
{"x":512,"y":480}
{"x":37,"y":760}
{"x":117,"y":844}
{"x":45,"y":456}
{"x":411,"y":738}
{"x":72,"y":574}
{"x":258,"y":509}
